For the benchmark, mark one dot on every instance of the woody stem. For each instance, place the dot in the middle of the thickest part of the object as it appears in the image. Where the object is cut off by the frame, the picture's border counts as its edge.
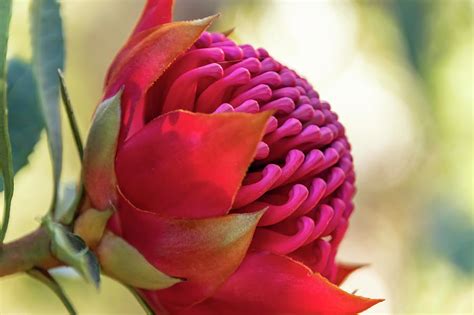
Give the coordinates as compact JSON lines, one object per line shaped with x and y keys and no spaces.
{"x":31,"y":250}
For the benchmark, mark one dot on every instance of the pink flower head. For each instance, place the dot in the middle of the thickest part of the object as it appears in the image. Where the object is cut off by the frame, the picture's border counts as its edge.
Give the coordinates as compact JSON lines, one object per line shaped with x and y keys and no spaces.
{"x":232,"y":174}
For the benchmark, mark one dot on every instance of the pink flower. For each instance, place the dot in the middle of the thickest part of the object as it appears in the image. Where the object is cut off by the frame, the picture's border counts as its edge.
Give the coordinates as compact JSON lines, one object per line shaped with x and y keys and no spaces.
{"x":212,"y":133}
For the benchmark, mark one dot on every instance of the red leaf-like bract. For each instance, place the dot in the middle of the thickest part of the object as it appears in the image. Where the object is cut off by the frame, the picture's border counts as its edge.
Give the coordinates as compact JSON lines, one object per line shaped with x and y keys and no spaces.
{"x":344,"y":271}
{"x":205,"y":252}
{"x":155,"y":13}
{"x":142,"y":61}
{"x":268,"y":284}
{"x":189,"y":165}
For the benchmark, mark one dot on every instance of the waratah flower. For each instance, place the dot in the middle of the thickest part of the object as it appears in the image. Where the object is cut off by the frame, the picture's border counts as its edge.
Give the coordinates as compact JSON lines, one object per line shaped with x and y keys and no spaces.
{"x":232,"y":175}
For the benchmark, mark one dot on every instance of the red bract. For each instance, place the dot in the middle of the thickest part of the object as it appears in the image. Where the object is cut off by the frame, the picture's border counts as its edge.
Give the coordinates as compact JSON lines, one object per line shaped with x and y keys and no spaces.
{"x":231,"y":172}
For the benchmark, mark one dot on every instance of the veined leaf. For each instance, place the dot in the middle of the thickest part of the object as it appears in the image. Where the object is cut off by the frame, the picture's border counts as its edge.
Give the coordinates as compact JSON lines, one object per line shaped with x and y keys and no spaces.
{"x":5,"y":148}
{"x":25,"y":121}
{"x":48,"y":56}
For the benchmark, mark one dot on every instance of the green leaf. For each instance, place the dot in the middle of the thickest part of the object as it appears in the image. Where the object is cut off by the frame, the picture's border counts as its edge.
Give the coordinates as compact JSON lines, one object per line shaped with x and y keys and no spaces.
{"x":99,"y":155}
{"x":73,"y":251}
{"x":125,"y":263}
{"x":25,"y":121}
{"x":6,"y":162}
{"x":48,"y":56}
{"x":44,"y":277}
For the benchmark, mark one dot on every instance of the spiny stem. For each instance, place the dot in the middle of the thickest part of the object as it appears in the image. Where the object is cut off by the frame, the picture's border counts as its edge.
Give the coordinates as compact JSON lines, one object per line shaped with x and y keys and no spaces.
{"x":45,"y":277}
{"x":70,"y":115}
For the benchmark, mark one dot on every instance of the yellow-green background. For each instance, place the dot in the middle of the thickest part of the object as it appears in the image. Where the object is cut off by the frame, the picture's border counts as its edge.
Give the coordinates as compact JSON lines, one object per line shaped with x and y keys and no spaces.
{"x":399,"y":74}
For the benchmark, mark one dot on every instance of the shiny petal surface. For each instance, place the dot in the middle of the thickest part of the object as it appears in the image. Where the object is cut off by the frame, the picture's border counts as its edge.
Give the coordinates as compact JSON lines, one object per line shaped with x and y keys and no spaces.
{"x":143,"y":60}
{"x":204,"y":252}
{"x":189,"y":165}
{"x":267,"y":284}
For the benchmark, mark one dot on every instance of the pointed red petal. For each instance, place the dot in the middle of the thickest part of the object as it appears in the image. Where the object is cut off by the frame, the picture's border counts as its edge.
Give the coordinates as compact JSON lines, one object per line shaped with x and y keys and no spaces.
{"x":345,"y":270}
{"x":267,"y":284}
{"x":205,"y":252}
{"x":143,"y":60}
{"x":189,"y":165}
{"x":155,"y":13}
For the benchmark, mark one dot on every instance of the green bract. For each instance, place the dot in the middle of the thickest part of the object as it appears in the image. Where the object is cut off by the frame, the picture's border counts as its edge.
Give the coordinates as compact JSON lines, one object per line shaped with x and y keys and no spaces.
{"x":99,"y":153}
{"x":73,"y":251}
{"x":124,"y":262}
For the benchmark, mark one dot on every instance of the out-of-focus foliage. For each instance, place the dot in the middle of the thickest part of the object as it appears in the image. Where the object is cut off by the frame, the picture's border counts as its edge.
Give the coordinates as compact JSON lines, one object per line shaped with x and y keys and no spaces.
{"x":400,"y":76}
{"x":447,"y":220}
{"x":47,"y":44}
{"x":24,"y":115}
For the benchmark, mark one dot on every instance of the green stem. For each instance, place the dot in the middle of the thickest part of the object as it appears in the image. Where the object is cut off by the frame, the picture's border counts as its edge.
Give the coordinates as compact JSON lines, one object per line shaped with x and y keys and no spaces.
{"x":32,"y":250}
{"x":148,"y":310}
{"x":46,"y":278}
{"x":6,"y":164}
{"x":70,"y":115}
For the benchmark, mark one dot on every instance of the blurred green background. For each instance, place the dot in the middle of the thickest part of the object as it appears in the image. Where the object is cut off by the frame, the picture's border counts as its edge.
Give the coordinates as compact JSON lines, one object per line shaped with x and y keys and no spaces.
{"x":400,"y":76}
